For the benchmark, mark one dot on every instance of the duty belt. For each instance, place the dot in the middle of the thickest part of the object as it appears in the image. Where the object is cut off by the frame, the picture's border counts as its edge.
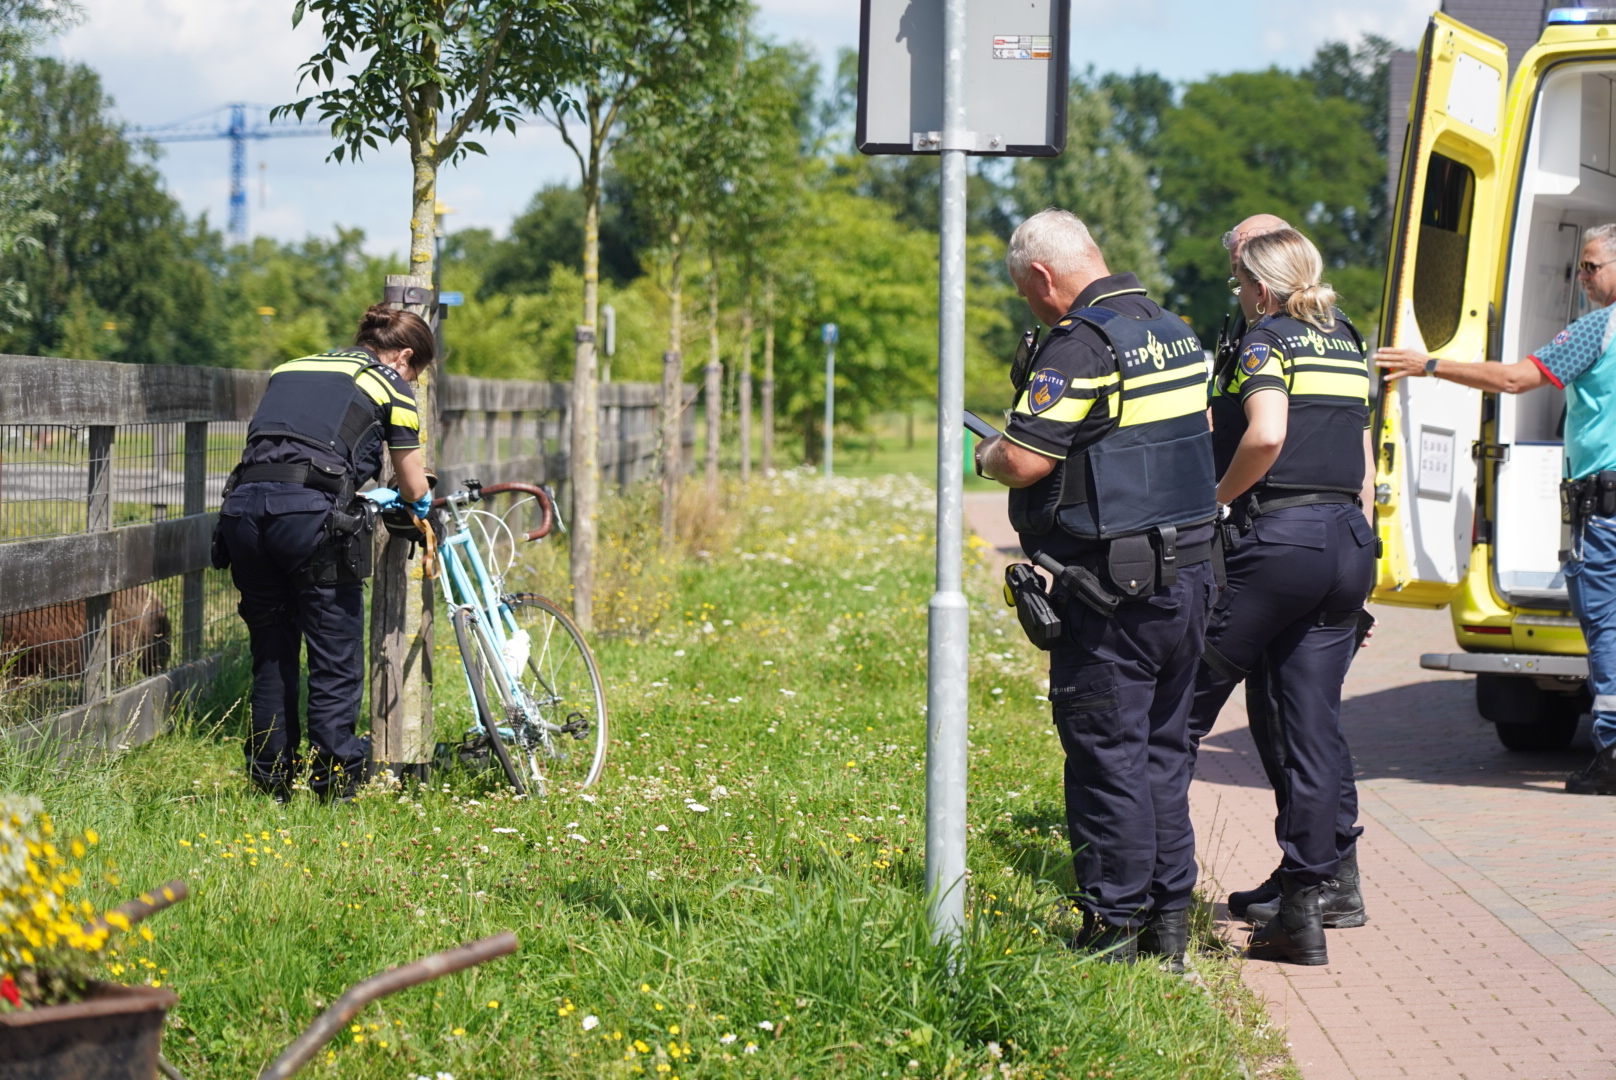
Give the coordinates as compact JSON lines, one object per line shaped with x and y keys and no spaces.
{"x":1591,"y":496}
{"x":1256,"y":507}
{"x":306,"y":473}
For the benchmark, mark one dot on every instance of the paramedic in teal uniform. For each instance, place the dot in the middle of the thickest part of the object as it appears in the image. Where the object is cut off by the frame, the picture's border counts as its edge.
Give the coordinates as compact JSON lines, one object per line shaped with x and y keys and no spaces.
{"x":1581,"y":360}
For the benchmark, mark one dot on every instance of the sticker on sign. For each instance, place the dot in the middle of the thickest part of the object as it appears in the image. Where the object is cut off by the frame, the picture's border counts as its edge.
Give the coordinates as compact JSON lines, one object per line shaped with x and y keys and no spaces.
{"x":1023,"y":46}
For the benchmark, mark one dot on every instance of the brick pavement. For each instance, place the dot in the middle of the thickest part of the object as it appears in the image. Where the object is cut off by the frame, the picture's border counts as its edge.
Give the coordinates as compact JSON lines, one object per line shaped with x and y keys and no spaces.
{"x":1491,"y":946}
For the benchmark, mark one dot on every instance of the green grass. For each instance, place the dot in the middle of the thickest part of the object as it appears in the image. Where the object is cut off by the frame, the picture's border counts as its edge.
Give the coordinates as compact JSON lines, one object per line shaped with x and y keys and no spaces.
{"x":751,"y":865}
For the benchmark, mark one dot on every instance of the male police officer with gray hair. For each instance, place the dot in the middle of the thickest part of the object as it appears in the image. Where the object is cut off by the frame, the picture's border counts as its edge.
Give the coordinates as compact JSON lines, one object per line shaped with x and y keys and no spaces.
{"x":1109,"y":460}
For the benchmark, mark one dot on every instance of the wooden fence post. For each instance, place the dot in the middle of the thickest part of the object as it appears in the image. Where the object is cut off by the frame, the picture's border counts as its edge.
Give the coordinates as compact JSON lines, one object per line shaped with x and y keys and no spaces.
{"x":97,"y":642}
{"x":401,"y":615}
{"x":715,"y":412}
{"x":672,"y":441}
{"x":584,"y":471}
{"x":196,"y":502}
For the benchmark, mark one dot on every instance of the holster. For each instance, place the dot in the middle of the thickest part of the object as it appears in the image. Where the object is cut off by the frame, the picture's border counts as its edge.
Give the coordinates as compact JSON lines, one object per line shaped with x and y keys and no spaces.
{"x":219,"y":551}
{"x":1024,"y":591}
{"x":1591,"y":496}
{"x":345,"y":552}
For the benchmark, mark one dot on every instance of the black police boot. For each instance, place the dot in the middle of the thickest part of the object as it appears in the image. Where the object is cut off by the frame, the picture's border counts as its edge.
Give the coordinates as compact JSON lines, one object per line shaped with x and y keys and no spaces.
{"x":1342,"y":901}
{"x":279,"y":791}
{"x":1110,"y":944}
{"x":1166,"y":934}
{"x":1599,"y":778}
{"x":1240,"y":902}
{"x":1296,"y":934}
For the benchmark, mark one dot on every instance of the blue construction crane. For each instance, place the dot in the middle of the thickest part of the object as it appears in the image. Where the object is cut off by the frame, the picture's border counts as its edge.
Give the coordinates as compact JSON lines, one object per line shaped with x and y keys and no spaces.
{"x":207,"y":125}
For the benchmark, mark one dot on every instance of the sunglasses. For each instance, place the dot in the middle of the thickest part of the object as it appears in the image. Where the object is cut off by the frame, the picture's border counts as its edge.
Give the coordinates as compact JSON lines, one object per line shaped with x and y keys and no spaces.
{"x":1234,"y":286}
{"x":1586,"y":267}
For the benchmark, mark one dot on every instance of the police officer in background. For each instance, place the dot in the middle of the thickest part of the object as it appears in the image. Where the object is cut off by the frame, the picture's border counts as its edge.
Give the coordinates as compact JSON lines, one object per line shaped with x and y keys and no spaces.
{"x":1581,"y":360}
{"x":1290,"y":426}
{"x":1234,"y":327}
{"x":298,"y":543}
{"x":1109,"y":460}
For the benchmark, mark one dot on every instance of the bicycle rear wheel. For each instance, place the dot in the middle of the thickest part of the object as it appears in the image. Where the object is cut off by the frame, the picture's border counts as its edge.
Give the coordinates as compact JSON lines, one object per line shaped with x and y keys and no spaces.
{"x":568,"y":745}
{"x":484,"y":671}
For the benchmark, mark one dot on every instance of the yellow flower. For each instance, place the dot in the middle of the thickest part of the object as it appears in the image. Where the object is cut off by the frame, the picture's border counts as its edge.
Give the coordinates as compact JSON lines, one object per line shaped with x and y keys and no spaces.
{"x":493,"y":1004}
{"x":458,"y":1031}
{"x":673,"y":1029}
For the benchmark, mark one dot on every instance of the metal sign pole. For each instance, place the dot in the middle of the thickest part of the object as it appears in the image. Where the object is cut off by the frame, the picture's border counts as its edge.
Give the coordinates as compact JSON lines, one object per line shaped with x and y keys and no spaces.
{"x":948,"y":647}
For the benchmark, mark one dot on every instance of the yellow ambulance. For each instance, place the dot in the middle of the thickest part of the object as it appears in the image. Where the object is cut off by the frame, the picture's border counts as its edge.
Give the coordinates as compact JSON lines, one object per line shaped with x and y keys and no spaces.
{"x":1500,"y":177}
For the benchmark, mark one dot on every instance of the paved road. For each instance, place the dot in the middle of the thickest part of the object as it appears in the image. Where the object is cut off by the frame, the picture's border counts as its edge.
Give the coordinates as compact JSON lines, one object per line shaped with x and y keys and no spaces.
{"x":36,"y":481}
{"x":1491,"y":947}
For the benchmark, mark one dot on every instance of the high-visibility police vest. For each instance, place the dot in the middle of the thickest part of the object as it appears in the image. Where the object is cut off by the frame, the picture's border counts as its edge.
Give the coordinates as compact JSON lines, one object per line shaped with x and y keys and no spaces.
{"x":1154,"y":468}
{"x":332,"y":404}
{"x":1327,"y":378}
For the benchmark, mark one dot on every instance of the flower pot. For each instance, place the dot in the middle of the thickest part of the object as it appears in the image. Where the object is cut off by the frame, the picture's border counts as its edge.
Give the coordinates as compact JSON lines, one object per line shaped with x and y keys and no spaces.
{"x":114,"y":1034}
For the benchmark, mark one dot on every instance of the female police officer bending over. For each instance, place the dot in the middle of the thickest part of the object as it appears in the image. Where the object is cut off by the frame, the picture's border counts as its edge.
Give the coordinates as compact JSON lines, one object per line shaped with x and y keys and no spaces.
{"x":299,"y":547}
{"x":1290,"y":436}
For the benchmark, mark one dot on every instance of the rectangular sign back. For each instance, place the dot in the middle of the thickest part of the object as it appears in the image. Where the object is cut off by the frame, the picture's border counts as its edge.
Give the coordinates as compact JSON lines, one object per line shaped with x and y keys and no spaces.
{"x":1015,"y":76}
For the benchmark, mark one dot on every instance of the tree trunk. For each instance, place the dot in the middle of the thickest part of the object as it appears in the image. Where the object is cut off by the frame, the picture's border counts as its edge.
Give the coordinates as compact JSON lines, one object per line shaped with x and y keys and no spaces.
{"x":768,"y":377}
{"x":401,"y":625}
{"x":715,"y":378}
{"x":745,"y":433}
{"x":585,"y":466}
{"x":673,"y":395}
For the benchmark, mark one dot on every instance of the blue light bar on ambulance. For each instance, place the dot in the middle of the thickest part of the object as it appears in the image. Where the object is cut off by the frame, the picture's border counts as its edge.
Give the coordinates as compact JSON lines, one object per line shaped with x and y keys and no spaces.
{"x":1581,"y":15}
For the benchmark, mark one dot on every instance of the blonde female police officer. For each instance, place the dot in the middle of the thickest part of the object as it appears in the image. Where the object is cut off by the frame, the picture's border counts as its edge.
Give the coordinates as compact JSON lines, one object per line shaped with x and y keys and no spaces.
{"x":299,"y":549}
{"x":1109,"y":460}
{"x":1290,"y":432}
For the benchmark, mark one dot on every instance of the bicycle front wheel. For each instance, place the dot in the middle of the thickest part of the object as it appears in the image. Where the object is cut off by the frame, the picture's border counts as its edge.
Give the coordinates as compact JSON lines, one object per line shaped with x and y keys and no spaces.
{"x":568,"y":744}
{"x":489,"y":692}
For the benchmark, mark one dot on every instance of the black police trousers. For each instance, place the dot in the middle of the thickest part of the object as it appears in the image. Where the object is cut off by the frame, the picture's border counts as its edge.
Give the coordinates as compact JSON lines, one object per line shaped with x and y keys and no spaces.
{"x":271,"y":531}
{"x":1284,"y":619}
{"x":1120,"y":690}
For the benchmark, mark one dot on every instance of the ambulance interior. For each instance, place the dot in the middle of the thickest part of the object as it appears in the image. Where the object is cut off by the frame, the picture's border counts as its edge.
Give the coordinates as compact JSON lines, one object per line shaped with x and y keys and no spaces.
{"x":1568,"y":184}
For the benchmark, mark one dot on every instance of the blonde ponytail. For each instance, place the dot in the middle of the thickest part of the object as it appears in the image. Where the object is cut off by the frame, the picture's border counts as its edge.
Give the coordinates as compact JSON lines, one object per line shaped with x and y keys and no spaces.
{"x":1289,"y":264}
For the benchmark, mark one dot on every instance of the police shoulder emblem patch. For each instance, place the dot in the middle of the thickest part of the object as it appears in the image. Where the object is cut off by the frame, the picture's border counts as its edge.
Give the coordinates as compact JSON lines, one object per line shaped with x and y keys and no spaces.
{"x":1562,"y":337}
{"x":1045,"y":388}
{"x":1255,"y":356}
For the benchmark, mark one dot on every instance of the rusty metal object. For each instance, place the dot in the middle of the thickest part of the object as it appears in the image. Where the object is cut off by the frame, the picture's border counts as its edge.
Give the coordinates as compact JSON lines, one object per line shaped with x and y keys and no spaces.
{"x":112,"y":1035}
{"x":331,"y":1023}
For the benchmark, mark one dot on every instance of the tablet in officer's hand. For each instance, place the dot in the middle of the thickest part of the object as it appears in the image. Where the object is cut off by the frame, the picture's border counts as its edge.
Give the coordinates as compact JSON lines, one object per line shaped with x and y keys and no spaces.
{"x":979,"y":427}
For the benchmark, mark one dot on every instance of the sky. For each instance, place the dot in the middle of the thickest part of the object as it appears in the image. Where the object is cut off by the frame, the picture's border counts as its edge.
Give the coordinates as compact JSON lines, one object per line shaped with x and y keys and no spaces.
{"x":167,"y":60}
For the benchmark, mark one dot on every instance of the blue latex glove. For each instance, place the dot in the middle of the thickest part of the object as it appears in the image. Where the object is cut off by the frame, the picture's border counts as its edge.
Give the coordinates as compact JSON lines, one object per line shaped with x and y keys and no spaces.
{"x":422,"y":506}
{"x":382,"y":497}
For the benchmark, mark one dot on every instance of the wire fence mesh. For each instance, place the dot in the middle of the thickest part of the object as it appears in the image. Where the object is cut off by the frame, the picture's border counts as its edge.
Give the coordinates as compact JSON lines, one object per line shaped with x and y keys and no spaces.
{"x":45,"y":653}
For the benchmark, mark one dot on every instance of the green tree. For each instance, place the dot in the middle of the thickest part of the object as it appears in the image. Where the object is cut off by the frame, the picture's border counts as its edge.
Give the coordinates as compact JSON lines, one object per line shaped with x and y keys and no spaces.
{"x":424,"y":61}
{"x":1102,"y":180}
{"x":24,"y":24}
{"x":119,"y":273}
{"x":550,"y":233}
{"x":1139,"y":101}
{"x":1263,"y":142}
{"x":1362,"y":75}
{"x":282,"y":301}
{"x":627,"y":51}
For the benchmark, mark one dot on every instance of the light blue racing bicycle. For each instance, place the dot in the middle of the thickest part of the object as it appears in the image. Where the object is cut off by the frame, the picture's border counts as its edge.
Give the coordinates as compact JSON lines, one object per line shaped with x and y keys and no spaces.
{"x":533,"y":681}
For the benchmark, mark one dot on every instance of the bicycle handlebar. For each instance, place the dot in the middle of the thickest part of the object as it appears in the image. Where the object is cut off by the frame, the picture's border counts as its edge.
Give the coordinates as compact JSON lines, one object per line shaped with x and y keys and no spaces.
{"x":546,"y":523}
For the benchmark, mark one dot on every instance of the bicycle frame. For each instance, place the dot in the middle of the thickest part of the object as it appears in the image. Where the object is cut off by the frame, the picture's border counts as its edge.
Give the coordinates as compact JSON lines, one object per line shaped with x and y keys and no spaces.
{"x":469,"y":584}
{"x":472,"y":586}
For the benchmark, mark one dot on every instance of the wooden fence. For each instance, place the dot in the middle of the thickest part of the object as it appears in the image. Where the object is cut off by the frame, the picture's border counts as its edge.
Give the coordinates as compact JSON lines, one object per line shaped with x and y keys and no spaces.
{"x":110,"y":480}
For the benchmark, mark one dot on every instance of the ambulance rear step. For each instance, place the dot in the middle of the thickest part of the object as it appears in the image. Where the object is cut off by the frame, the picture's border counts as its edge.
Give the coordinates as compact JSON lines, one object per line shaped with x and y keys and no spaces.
{"x":1573,"y":667}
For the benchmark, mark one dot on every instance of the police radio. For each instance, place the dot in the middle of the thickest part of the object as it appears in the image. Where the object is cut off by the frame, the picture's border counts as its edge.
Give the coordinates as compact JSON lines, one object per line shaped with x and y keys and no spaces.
{"x":1021,"y":366}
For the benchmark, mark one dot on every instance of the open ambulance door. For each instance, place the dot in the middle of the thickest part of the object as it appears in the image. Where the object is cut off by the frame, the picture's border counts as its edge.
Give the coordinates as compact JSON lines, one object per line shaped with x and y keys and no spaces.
{"x":1440,"y":278}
